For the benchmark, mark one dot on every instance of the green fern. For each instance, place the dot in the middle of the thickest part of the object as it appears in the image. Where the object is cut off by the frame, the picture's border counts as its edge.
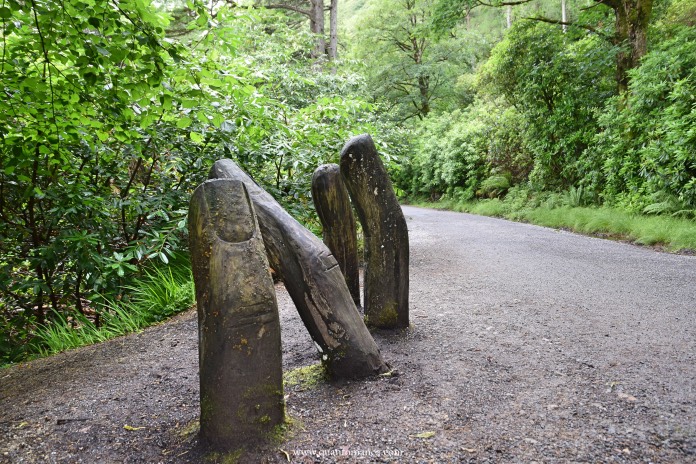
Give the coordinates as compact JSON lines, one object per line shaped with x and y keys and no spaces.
{"x":495,"y":186}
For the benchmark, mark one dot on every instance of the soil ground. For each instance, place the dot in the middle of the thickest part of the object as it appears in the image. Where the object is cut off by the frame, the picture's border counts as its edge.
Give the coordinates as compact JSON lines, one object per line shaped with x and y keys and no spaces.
{"x":527,"y":345}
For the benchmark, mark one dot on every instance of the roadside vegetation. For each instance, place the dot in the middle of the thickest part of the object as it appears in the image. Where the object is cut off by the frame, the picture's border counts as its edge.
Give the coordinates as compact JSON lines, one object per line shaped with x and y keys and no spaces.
{"x":159,"y":294}
{"x":569,"y":114}
{"x":674,"y":233}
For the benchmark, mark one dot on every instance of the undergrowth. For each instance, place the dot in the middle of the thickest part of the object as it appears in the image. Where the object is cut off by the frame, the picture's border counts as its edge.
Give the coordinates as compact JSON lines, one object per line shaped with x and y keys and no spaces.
{"x":159,"y":294}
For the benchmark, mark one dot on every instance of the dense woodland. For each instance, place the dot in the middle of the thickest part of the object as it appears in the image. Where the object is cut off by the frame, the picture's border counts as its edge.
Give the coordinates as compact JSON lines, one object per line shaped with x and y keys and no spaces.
{"x":113,"y":111}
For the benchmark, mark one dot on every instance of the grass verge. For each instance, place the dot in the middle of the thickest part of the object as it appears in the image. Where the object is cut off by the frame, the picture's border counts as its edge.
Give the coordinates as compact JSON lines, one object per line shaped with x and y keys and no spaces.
{"x":673,"y":233}
{"x":161,"y":293}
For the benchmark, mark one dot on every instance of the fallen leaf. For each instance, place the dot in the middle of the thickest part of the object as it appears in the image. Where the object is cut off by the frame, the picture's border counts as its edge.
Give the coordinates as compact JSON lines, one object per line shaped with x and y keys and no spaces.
{"x":627,"y":397}
{"x":287,"y":455}
{"x":469,"y":450}
{"x":132,"y":429}
{"x":424,"y":435}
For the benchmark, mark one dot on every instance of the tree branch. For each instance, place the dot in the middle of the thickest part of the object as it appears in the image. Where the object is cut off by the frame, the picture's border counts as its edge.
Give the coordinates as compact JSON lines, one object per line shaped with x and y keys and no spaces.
{"x":565,"y":23}
{"x":596,"y":4}
{"x":513,"y":3}
{"x":291,"y":8}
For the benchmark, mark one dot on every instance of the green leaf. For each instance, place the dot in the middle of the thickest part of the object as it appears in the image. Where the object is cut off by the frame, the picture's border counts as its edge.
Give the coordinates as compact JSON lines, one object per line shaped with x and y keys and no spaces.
{"x":196,"y":137}
{"x":90,"y":78}
{"x":166,"y":101}
{"x":184,"y":122}
{"x":218,"y":119}
{"x":202,"y":116}
{"x":147,"y":120}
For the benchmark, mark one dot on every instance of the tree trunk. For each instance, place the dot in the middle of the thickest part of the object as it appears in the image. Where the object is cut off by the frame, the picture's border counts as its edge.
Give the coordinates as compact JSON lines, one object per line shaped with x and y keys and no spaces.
{"x":564,"y":16}
{"x":315,"y":284}
{"x":424,"y":90}
{"x":333,"y":30}
{"x":315,"y":12}
{"x":316,"y":25}
{"x":385,"y":232}
{"x":333,"y":207}
{"x":631,"y":28}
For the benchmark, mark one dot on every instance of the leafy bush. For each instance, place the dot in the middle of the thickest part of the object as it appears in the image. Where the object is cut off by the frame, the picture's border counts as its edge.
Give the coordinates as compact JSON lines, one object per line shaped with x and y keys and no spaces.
{"x":459,"y":150}
{"x":575,"y":197}
{"x":161,"y":293}
{"x":108,"y":126}
{"x":494,"y":186}
{"x":665,"y":203}
{"x":534,"y":117}
{"x":555,"y":81}
{"x":96,"y":154}
{"x":680,"y":12}
{"x":450,"y":154}
{"x":648,"y":145}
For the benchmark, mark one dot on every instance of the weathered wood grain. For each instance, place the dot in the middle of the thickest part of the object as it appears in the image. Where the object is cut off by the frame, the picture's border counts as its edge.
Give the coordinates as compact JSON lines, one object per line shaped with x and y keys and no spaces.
{"x":315,"y":284}
{"x":240,"y":365}
{"x":385,"y":233}
{"x":333,"y":207}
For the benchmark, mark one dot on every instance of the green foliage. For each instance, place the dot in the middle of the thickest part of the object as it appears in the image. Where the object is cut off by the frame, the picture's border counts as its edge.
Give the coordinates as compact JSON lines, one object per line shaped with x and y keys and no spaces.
{"x":457,"y":151}
{"x":664,"y":203}
{"x":495,"y":186}
{"x":648,"y":143}
{"x":91,"y":132}
{"x":450,"y":154}
{"x":680,"y":12}
{"x":575,"y":197}
{"x":406,"y":68}
{"x":552,"y":84}
{"x":108,"y":126}
{"x":557,"y":83}
{"x":160,"y":293}
{"x":447,"y":14}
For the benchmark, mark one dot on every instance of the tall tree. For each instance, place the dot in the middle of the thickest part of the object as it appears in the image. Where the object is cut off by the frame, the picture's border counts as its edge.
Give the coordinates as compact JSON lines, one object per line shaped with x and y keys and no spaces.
{"x":630,"y":31}
{"x":315,"y":10}
{"x":632,"y":18}
{"x":407,"y":67}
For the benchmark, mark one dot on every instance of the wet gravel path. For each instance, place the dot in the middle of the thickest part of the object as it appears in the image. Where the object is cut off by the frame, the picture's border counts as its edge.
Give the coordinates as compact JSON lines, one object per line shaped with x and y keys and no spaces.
{"x":527,"y":344}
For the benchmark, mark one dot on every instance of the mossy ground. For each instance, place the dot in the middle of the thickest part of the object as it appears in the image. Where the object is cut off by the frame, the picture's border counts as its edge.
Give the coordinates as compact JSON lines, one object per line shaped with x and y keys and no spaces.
{"x":305,"y":377}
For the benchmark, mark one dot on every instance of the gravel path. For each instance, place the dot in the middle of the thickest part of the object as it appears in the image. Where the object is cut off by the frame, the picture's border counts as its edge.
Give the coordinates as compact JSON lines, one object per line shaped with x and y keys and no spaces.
{"x":527,"y":344}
